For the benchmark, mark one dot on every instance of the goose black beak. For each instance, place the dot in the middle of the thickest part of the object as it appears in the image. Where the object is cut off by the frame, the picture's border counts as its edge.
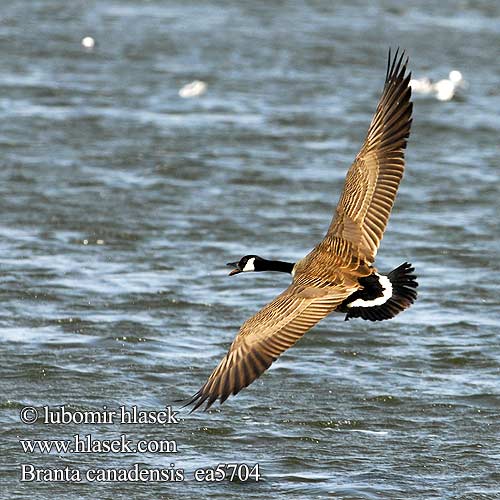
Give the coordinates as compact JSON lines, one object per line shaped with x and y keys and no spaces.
{"x":236,"y":269}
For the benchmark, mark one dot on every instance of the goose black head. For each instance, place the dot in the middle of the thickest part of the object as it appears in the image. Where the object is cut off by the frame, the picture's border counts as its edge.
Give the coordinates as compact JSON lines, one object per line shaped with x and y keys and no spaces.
{"x":247,"y":264}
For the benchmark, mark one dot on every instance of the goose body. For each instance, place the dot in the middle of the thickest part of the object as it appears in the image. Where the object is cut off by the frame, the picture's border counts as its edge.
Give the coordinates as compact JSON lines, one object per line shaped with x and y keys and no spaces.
{"x":338,"y":274}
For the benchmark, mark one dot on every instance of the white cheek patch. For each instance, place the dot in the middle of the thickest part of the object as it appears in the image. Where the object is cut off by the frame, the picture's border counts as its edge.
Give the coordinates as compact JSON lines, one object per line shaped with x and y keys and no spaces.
{"x":386,"y":284}
{"x":249,"y":266}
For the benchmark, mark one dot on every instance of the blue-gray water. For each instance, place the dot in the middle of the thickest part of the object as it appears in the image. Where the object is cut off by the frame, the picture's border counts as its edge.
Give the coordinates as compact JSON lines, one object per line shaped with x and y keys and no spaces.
{"x":121,"y":203}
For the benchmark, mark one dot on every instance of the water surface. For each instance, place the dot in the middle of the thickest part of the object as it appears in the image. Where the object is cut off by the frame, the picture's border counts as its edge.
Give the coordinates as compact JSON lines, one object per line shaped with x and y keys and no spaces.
{"x":122,"y":202}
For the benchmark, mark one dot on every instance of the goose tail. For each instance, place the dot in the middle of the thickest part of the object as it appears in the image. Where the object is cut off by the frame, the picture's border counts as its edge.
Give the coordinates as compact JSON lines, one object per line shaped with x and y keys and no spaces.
{"x":383,"y":297}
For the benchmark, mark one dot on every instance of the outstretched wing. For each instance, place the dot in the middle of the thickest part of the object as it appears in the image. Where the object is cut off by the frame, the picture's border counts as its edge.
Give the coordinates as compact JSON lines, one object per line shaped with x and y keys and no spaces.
{"x":373,"y":179}
{"x":265,"y":336}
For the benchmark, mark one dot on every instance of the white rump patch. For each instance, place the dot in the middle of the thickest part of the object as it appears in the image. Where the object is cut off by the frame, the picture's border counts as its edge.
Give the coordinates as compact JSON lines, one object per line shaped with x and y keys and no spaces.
{"x":249,"y":266}
{"x":386,"y":284}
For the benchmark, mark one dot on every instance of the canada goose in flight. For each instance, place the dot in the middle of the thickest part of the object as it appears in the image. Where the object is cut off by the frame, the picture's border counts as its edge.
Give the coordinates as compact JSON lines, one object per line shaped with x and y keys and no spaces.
{"x":338,"y":274}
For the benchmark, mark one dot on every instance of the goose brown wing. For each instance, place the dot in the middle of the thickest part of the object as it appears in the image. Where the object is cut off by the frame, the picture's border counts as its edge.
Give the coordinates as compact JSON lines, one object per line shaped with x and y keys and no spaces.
{"x":265,"y":336}
{"x":373,"y":179}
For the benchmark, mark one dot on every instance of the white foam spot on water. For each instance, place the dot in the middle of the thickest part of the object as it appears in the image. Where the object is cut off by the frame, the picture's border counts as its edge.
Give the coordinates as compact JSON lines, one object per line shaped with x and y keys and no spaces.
{"x":421,"y":85}
{"x":88,"y":42}
{"x":193,"y":89}
{"x":443,"y":90}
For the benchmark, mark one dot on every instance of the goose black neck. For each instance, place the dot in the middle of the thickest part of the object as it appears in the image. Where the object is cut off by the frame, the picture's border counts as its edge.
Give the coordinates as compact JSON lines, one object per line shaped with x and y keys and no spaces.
{"x":277,"y":265}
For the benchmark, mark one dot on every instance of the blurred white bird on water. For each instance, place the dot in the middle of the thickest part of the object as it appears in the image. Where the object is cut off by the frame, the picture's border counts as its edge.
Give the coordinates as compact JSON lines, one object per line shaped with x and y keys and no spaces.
{"x":193,"y":89}
{"x":443,"y":90}
{"x":88,"y":42}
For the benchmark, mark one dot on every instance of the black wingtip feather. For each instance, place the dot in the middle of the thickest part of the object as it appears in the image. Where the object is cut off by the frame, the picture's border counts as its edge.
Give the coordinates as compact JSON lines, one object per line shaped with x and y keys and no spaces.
{"x":396,"y":65}
{"x":197,"y":399}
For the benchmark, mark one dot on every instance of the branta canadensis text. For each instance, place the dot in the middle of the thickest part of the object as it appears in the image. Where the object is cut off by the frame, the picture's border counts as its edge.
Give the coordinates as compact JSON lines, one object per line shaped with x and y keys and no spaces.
{"x":338,"y":274}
